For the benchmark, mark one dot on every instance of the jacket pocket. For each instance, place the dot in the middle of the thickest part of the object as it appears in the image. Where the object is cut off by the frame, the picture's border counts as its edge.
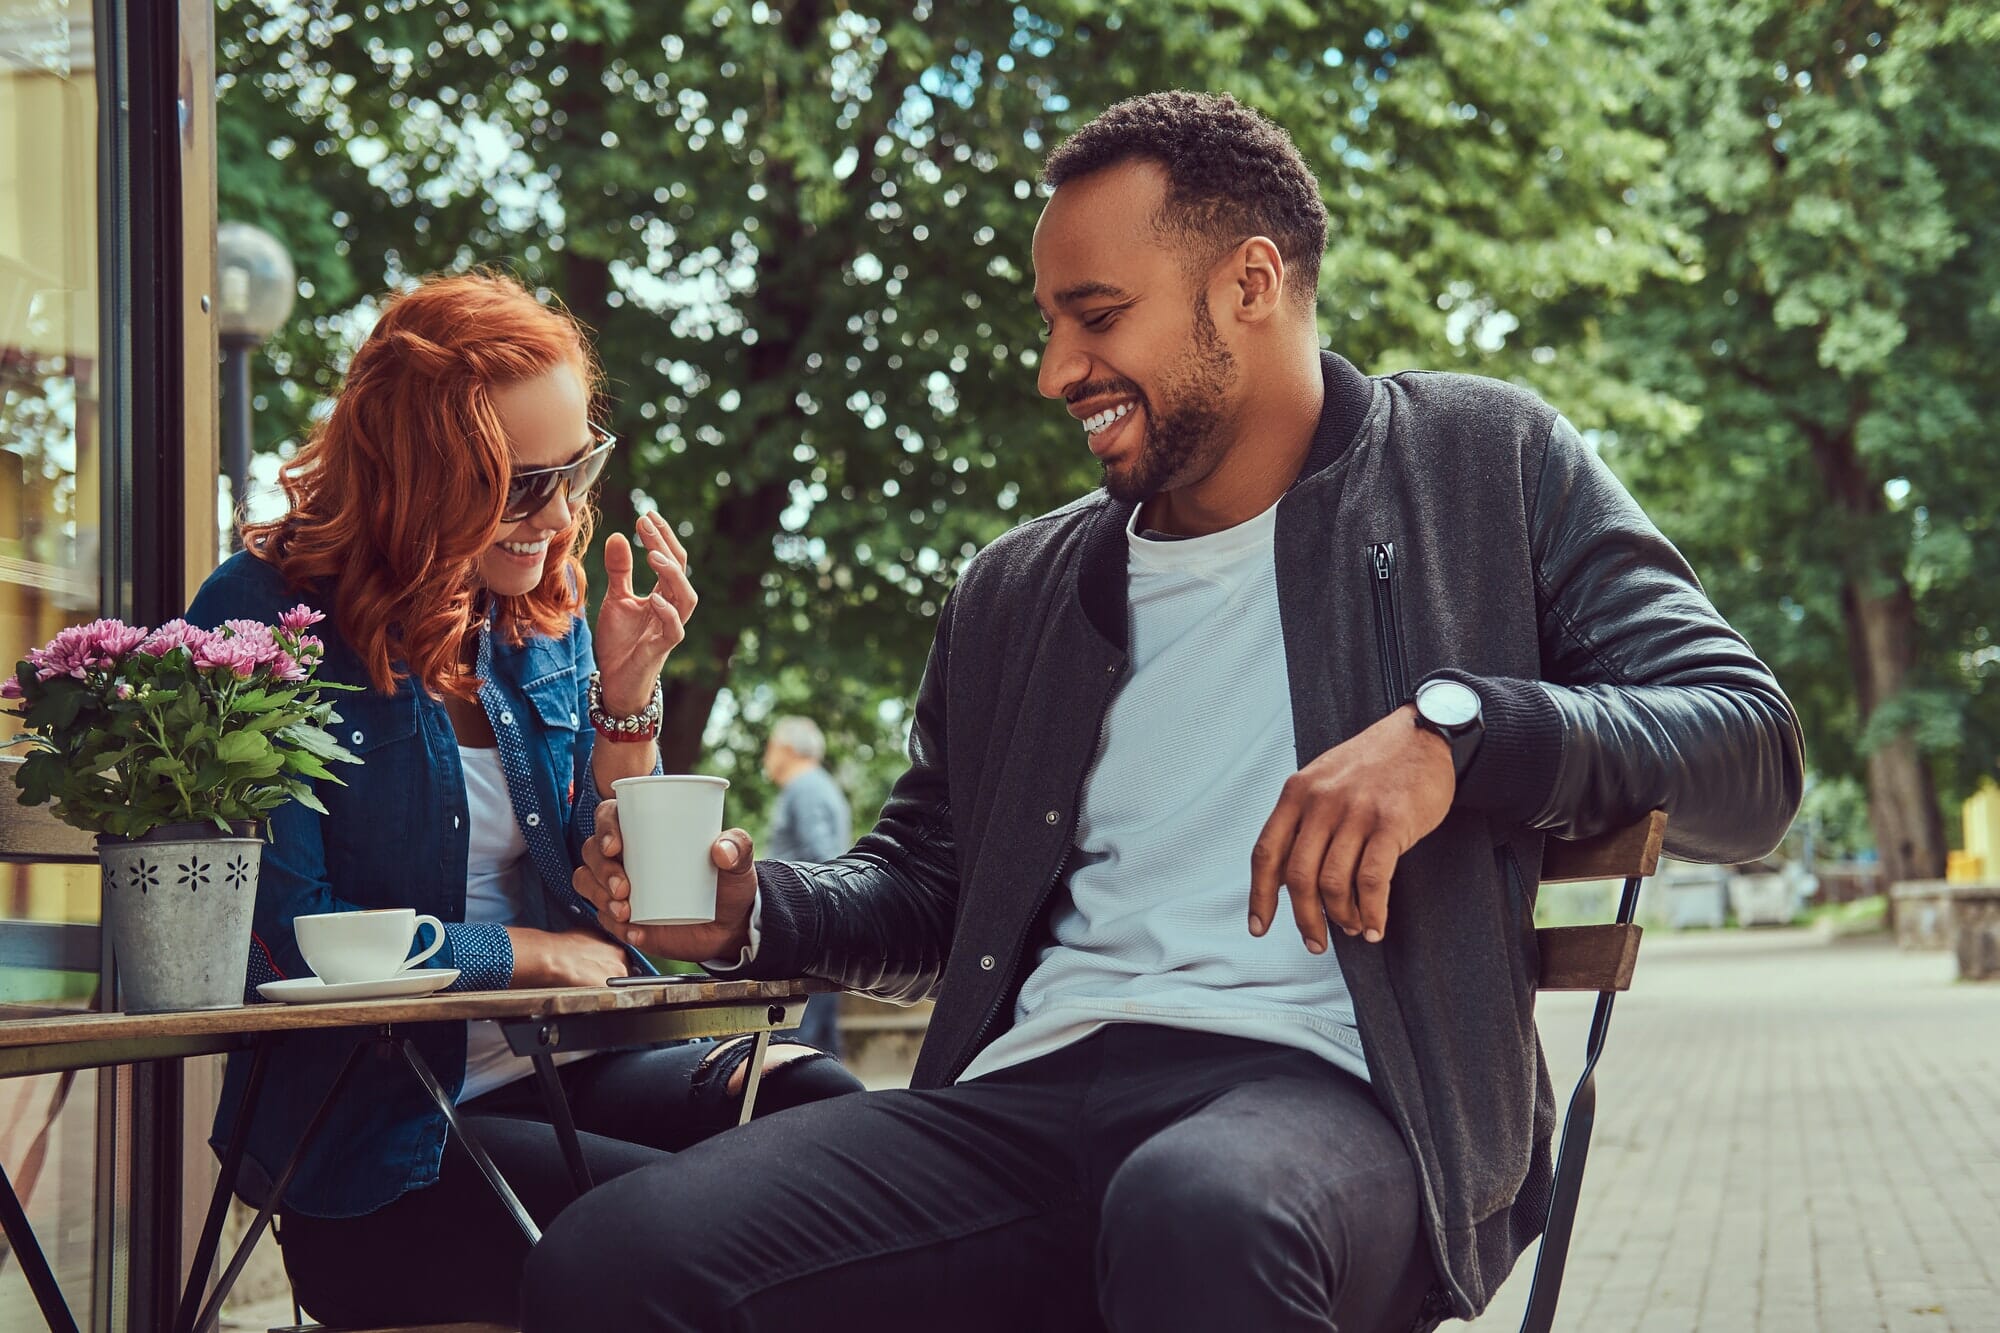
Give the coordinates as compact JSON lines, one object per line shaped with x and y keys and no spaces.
{"x":370,"y":723}
{"x":558,"y":708}
{"x":1521,"y":904}
{"x":385,"y":799}
{"x":1381,"y":572}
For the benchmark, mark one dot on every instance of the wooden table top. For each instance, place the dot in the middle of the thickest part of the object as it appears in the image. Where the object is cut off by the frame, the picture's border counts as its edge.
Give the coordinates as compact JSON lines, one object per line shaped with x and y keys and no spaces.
{"x":49,"y":1027}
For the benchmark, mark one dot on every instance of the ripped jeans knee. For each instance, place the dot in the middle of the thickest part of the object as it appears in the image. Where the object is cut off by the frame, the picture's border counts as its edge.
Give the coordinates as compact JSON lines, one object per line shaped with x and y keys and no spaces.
{"x":794,"y":1073}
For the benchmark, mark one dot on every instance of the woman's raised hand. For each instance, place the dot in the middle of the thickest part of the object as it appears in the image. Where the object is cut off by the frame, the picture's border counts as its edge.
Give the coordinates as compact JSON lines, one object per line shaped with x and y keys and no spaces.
{"x":635,"y":633}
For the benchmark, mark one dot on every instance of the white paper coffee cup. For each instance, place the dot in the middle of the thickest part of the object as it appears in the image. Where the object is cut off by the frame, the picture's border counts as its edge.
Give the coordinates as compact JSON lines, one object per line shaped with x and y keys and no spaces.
{"x":668,"y":824}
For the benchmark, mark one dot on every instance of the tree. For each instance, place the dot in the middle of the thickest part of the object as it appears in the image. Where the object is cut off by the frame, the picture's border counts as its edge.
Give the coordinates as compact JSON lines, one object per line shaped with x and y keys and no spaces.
{"x":801,"y":233}
{"x":1838,"y":166}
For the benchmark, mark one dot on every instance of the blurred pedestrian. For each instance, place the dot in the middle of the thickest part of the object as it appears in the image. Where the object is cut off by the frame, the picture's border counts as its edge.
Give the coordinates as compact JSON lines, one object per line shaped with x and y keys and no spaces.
{"x":811,"y":823}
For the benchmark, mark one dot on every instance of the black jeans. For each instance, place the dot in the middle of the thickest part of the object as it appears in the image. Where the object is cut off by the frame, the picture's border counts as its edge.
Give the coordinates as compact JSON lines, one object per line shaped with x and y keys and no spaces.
{"x":1142,"y":1179}
{"x":450,"y":1252}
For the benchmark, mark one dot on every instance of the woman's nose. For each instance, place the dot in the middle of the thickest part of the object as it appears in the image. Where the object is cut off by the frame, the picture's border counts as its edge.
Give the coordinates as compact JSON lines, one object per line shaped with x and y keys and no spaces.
{"x":557,"y":513}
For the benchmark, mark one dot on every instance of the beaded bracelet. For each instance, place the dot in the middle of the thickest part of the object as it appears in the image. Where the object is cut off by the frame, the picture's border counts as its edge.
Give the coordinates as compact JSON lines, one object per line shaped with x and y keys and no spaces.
{"x":641,"y":726}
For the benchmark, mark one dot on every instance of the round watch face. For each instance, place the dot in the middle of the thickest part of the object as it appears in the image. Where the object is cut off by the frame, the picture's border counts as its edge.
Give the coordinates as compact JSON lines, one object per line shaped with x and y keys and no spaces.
{"x":1448,"y":703}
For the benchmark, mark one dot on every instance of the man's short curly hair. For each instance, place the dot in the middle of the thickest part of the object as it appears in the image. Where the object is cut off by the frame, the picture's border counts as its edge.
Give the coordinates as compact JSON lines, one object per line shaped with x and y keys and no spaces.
{"x":1231,"y":174}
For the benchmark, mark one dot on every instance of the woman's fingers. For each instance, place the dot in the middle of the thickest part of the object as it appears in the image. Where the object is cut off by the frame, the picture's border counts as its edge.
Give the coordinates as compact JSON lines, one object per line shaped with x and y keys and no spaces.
{"x":673,"y":584}
{"x":618,"y":565}
{"x":664,"y":532}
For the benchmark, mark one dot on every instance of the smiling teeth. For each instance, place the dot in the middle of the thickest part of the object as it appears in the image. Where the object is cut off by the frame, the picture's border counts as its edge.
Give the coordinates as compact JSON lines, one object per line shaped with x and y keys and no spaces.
{"x":1098,"y":421}
{"x":524,"y":548}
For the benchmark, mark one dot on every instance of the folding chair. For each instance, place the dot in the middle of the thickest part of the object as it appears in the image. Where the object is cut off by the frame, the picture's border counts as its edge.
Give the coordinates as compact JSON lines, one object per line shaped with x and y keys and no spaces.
{"x":1586,"y":958}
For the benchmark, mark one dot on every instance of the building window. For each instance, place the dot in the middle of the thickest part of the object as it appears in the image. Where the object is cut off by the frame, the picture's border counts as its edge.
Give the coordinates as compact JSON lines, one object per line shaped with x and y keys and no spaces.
{"x":51,"y":506}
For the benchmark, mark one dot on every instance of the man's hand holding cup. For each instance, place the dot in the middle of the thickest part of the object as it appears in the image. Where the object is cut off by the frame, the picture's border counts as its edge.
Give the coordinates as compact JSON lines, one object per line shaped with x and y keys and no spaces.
{"x":670,"y":913}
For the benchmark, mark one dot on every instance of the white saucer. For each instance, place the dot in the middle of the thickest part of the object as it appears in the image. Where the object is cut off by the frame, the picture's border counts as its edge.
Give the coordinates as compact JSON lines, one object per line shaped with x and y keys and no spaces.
{"x":311,"y":990}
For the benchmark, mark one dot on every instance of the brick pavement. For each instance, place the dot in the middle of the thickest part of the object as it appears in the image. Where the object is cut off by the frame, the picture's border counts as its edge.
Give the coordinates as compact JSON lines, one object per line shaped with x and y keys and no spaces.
{"x":1793,"y":1136}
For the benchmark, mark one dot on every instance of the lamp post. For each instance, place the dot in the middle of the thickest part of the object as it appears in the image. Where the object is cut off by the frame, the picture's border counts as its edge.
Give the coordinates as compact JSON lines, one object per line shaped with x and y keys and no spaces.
{"x":256,"y":285}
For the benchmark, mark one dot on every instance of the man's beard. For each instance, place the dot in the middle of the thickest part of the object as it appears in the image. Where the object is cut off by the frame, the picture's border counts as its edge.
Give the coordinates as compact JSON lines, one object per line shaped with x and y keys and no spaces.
{"x":1183,"y":429}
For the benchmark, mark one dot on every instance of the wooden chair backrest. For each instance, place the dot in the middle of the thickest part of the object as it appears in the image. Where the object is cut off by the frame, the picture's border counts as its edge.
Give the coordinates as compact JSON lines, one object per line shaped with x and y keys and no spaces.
{"x":1597,"y":958}
{"x":31,"y":833}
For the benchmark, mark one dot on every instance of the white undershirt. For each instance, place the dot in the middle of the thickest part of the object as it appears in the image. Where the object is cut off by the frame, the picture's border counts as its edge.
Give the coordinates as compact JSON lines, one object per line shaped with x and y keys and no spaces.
{"x":1197,"y":746}
{"x":498,"y":879}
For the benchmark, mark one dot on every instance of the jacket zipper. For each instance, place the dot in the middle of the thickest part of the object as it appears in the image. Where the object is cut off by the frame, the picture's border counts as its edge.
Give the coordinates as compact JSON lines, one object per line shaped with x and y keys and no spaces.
{"x":978,"y":1042}
{"x":1388,"y":629}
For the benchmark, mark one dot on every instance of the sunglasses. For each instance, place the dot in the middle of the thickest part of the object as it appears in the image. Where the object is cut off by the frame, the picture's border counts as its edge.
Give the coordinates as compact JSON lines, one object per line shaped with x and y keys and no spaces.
{"x":530,"y":492}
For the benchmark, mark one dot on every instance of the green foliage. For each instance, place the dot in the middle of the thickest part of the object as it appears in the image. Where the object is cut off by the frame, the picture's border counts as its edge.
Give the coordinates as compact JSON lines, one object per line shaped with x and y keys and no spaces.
{"x":1857,"y":916}
{"x":1836,"y":810}
{"x":801,"y":232}
{"x":134,"y":731}
{"x":1838,"y":167}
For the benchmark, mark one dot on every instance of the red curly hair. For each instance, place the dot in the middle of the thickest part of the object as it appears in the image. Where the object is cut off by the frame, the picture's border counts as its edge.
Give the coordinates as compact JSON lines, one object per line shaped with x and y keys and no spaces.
{"x":399,"y":491}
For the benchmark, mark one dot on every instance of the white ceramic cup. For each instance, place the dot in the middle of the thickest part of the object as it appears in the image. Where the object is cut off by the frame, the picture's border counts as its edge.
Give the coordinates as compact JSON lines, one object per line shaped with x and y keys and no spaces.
{"x":668,"y":824}
{"x":364,"y":946}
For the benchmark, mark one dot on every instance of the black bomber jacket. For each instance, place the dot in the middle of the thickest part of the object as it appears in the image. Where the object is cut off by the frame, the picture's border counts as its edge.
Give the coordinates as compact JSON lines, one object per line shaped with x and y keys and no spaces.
{"x":1442,"y":524}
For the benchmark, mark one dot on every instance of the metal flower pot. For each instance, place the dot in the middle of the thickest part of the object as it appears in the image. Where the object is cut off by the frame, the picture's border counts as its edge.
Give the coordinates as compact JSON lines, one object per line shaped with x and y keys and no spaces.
{"x":178,"y":902}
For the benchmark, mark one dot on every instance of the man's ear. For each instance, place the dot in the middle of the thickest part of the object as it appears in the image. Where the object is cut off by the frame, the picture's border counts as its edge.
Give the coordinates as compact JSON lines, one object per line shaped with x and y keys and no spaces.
{"x":1259,"y":276}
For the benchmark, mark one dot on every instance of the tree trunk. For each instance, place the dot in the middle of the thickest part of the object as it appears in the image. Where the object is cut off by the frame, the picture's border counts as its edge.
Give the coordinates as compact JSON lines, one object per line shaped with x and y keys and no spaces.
{"x":1881,"y":617}
{"x":1902,"y":796}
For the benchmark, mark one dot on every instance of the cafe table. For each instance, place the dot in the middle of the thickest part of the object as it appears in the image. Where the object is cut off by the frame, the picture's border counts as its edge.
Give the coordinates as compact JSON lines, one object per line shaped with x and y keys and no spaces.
{"x":539,"y":1024}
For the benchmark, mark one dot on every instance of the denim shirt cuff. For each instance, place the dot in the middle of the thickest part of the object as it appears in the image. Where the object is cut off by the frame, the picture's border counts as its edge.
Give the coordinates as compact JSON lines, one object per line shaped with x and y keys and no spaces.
{"x":481,"y":952}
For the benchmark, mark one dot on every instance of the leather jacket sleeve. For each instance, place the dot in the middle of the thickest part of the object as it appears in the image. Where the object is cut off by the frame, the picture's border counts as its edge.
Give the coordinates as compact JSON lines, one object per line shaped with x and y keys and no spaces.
{"x":877,"y":920}
{"x":1648,"y":699}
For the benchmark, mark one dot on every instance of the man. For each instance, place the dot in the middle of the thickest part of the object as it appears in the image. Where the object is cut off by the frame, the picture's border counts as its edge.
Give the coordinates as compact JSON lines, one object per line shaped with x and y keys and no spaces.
{"x":1229,"y":785}
{"x":811,"y":823}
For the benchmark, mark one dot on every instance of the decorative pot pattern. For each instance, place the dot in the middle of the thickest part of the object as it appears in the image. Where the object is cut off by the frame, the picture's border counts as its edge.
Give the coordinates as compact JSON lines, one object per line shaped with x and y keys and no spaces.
{"x":178,"y":904}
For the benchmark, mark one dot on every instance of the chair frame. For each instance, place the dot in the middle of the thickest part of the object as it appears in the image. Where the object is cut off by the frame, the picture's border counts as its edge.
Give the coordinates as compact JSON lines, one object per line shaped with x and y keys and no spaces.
{"x":1595,"y":958}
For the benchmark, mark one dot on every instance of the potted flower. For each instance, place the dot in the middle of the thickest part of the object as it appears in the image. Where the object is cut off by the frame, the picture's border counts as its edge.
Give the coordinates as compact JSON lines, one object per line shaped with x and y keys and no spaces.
{"x":173,"y":745}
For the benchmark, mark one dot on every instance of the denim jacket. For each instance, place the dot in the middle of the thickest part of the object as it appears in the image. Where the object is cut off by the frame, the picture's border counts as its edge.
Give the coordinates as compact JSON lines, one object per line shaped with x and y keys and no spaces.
{"x":395,"y":835}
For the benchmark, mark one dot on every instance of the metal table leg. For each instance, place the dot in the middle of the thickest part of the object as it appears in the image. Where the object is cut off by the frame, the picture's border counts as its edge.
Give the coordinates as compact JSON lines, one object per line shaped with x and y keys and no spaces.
{"x":754,"y":1074}
{"x":34,"y":1265}
{"x":508,"y":1199}
{"x":225,"y":1186}
{"x":565,"y":1125}
{"x":213,"y":1307}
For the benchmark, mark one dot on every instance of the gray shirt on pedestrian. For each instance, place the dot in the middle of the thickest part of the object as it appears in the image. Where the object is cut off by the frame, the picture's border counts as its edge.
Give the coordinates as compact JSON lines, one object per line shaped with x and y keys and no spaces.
{"x":811,"y":822}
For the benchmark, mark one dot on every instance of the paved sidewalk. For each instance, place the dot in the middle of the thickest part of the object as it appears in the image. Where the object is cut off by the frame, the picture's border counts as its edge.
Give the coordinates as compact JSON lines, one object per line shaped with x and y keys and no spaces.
{"x":1793,"y":1136}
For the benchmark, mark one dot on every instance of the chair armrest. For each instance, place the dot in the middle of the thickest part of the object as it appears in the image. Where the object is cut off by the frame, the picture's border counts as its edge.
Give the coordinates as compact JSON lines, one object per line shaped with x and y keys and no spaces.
{"x":1599,"y":958}
{"x":1620,"y":853}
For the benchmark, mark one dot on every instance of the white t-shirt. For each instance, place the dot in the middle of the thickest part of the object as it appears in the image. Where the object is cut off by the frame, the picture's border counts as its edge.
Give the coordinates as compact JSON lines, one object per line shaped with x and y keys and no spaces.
{"x":1198,"y":744}
{"x":498,"y":879}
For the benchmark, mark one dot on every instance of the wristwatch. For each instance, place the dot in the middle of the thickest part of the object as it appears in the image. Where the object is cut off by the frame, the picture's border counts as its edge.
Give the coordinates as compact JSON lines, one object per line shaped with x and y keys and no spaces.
{"x":1451,"y":709}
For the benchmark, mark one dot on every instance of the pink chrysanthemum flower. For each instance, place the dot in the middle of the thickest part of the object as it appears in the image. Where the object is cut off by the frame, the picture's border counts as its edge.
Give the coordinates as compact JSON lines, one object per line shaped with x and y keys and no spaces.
{"x":74,"y":651}
{"x":286,"y":669}
{"x":10,"y":688}
{"x":237,"y":656}
{"x":176,"y":633}
{"x":299,"y":617}
{"x":256,"y":636}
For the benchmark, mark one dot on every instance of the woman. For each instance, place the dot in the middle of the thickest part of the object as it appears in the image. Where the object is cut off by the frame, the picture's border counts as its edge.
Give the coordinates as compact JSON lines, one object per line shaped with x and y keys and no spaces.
{"x":437,"y":517}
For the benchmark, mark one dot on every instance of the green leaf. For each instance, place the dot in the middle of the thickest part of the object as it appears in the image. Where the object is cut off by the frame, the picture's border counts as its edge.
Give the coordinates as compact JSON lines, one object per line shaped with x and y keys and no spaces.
{"x":243,"y":747}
